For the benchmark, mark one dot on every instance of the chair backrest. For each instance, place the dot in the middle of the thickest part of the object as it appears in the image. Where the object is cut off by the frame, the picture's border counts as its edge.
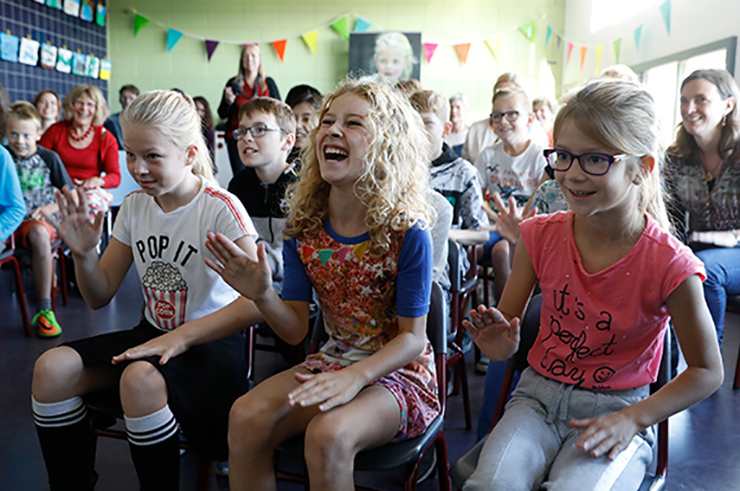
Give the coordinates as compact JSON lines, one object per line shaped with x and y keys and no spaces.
{"x":530,"y":326}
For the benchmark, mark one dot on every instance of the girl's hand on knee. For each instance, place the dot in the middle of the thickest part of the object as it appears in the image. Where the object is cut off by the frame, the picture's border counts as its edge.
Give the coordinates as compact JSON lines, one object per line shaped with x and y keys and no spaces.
{"x":166,"y":347}
{"x":329,"y":390}
{"x":496,"y":336}
{"x":608,"y":434}
{"x":250,"y":278}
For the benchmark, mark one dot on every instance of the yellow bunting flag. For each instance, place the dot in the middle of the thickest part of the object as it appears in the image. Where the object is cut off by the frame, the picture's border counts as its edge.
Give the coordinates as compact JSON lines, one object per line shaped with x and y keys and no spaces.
{"x":494,"y":46}
{"x":310,"y":39}
{"x":462,"y":51}
{"x":599,"y":48}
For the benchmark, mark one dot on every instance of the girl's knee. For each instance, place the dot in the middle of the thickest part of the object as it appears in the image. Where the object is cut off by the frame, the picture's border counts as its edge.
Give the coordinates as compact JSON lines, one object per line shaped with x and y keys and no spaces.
{"x":329,"y":436}
{"x":38,"y":236}
{"x":56,"y":371}
{"x":250,"y":422}
{"x":141,"y":384}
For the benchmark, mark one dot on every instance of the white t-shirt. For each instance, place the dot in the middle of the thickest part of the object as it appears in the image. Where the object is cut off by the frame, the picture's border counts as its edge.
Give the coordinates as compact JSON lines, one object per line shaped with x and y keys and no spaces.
{"x":512,"y":176}
{"x":169,"y":251}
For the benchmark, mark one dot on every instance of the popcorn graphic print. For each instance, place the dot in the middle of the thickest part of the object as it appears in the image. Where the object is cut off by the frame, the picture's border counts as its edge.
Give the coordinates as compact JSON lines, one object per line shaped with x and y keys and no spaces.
{"x":166,"y":294}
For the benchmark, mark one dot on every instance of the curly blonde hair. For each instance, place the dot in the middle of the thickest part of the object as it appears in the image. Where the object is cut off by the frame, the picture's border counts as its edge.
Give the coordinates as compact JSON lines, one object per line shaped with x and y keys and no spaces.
{"x":173,"y":114}
{"x":395,"y":178}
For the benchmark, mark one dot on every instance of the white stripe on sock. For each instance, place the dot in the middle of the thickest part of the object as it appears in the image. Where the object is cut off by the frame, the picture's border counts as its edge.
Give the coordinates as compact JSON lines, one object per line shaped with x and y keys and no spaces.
{"x":56,"y":414}
{"x":151,"y":429}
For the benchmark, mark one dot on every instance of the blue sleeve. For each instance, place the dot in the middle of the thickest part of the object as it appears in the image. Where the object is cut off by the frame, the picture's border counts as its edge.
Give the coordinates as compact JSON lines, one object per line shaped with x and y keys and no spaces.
{"x":414,"y":273}
{"x":296,"y":285}
{"x":12,"y":206}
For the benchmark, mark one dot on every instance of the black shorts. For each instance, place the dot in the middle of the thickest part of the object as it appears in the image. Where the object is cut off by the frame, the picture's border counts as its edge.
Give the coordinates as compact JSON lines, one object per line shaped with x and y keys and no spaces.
{"x":202,"y":383}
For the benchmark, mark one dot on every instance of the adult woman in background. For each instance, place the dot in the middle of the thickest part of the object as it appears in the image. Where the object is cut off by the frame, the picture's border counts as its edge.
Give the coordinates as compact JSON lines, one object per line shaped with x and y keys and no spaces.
{"x":459,"y":119}
{"x":206,"y":126}
{"x":251,"y":82}
{"x":703,"y":176}
{"x":49,"y":106}
{"x":89,"y":152}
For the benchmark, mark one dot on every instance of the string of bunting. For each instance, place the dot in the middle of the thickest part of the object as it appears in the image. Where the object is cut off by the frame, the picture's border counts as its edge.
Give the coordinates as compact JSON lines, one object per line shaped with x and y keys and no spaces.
{"x":341,"y":25}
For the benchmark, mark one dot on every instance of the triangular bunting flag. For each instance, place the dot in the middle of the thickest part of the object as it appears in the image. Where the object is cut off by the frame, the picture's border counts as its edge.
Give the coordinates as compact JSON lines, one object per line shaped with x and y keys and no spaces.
{"x":139,"y":22}
{"x":342,"y":253}
{"x":210,"y":48}
{"x":570,"y":50}
{"x":528,"y":30}
{"x":310,"y":39}
{"x":361,"y":25}
{"x":341,"y":27}
{"x":325,"y":255}
{"x":547,"y":36}
{"x":494,"y":46}
{"x":560,"y":40}
{"x":280,"y":48}
{"x":429,"y":49}
{"x":360,"y":250}
{"x":638,"y":36}
{"x":599,"y":49}
{"x":173,"y":37}
{"x":665,"y":8}
{"x":583,"y":55}
{"x":617,"y":48}
{"x":462,"y":51}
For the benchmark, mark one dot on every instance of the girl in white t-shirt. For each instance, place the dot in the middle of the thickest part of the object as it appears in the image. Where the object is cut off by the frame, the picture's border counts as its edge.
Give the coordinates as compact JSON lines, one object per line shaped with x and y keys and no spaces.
{"x":611,"y":277}
{"x":184,"y":363}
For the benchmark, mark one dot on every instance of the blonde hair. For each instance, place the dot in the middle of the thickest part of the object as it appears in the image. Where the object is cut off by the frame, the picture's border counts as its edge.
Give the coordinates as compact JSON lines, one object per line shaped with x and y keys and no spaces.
{"x":395,"y":178}
{"x":510,"y":78}
{"x":729,"y":140}
{"x":408,"y":86}
{"x":620,"y":117}
{"x":22,"y":111}
{"x":428,"y":101}
{"x":399,"y":42}
{"x":94,"y":93}
{"x":261,"y":79}
{"x":619,"y":72}
{"x":173,"y":114}
{"x":504,"y":93}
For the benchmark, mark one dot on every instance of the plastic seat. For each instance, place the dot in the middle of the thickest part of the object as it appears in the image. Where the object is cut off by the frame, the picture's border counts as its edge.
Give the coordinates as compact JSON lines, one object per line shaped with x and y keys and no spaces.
{"x":463,"y":288}
{"x":406,"y":454}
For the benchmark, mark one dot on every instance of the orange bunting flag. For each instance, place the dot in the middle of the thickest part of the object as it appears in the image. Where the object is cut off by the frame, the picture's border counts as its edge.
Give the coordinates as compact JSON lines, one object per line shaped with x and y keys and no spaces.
{"x":462,"y":52}
{"x":280,"y":48}
{"x":583,"y":55}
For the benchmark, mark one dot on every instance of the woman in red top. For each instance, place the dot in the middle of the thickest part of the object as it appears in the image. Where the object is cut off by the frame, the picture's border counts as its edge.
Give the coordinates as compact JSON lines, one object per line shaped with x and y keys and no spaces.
{"x":88,"y":151}
{"x":251,"y":82}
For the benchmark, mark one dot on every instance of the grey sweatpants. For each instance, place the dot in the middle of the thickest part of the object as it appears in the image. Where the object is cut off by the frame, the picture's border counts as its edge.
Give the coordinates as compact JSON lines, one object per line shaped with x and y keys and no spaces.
{"x":533,"y":446}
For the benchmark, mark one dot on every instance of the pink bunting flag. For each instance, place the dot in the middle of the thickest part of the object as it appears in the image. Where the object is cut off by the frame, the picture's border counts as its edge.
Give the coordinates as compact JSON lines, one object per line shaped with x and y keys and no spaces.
{"x":429,"y":49}
{"x":210,"y":48}
{"x":570,"y":50}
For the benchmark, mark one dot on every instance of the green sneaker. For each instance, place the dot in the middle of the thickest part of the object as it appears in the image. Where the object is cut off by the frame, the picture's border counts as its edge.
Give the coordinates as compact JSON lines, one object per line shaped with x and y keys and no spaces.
{"x":47,"y":324}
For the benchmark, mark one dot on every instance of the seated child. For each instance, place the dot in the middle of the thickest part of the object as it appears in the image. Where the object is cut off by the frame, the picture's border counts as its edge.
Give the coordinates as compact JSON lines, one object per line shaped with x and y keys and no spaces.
{"x":40,"y":171}
{"x":581,"y":416}
{"x":357,"y":235}
{"x":12,"y":205}
{"x":264,"y":138}
{"x":304,"y":100}
{"x":512,"y":167}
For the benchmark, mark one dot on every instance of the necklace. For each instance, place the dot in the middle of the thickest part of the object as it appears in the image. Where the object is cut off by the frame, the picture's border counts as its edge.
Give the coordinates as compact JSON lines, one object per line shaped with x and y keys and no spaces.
{"x":79,"y":138}
{"x":709,"y":174}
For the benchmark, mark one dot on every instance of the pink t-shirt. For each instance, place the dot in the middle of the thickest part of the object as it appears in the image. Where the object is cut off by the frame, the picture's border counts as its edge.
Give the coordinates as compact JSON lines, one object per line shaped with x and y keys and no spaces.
{"x":605,"y":330}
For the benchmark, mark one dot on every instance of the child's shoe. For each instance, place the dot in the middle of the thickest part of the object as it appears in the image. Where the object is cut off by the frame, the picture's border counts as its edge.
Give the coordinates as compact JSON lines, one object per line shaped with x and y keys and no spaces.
{"x":47,"y":324}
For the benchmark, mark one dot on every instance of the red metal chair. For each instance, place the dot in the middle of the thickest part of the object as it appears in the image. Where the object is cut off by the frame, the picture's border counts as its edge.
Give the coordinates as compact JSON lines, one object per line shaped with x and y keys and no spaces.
{"x":8,"y":257}
{"x":733,"y":305}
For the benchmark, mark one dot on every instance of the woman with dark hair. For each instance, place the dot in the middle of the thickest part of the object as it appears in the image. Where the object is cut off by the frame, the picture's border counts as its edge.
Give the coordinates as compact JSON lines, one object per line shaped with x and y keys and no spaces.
{"x":249,"y":83}
{"x":206,"y":126}
{"x":703,"y":177}
{"x":49,"y":106}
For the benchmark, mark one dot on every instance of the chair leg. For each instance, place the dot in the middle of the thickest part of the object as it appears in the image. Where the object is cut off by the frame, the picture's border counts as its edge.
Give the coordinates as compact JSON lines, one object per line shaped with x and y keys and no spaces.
{"x":204,"y":474}
{"x":736,"y":382}
{"x":62,"y":274}
{"x":21,"y":296}
{"x":463,"y":376}
{"x":443,"y":466}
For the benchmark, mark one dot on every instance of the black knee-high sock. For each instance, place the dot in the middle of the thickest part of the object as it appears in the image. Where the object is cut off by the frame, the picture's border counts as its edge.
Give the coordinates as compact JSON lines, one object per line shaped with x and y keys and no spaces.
{"x":155,"y":450}
{"x":67,"y":443}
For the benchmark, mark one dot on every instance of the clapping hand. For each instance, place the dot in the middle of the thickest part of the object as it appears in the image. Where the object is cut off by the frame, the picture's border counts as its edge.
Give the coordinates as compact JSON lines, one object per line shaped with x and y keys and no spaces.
{"x":250,"y":278}
{"x":508,"y":218}
{"x":497,"y":337}
{"x":76,"y":230}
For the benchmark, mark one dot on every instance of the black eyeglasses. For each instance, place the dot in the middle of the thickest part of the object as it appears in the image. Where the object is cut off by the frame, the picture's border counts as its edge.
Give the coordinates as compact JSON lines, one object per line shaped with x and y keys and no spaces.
{"x":257,"y":131}
{"x":510,"y":116}
{"x":595,"y":164}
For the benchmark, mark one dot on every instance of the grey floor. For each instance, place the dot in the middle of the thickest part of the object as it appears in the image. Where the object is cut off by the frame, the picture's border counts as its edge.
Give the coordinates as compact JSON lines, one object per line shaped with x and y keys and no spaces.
{"x":704,"y":440}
